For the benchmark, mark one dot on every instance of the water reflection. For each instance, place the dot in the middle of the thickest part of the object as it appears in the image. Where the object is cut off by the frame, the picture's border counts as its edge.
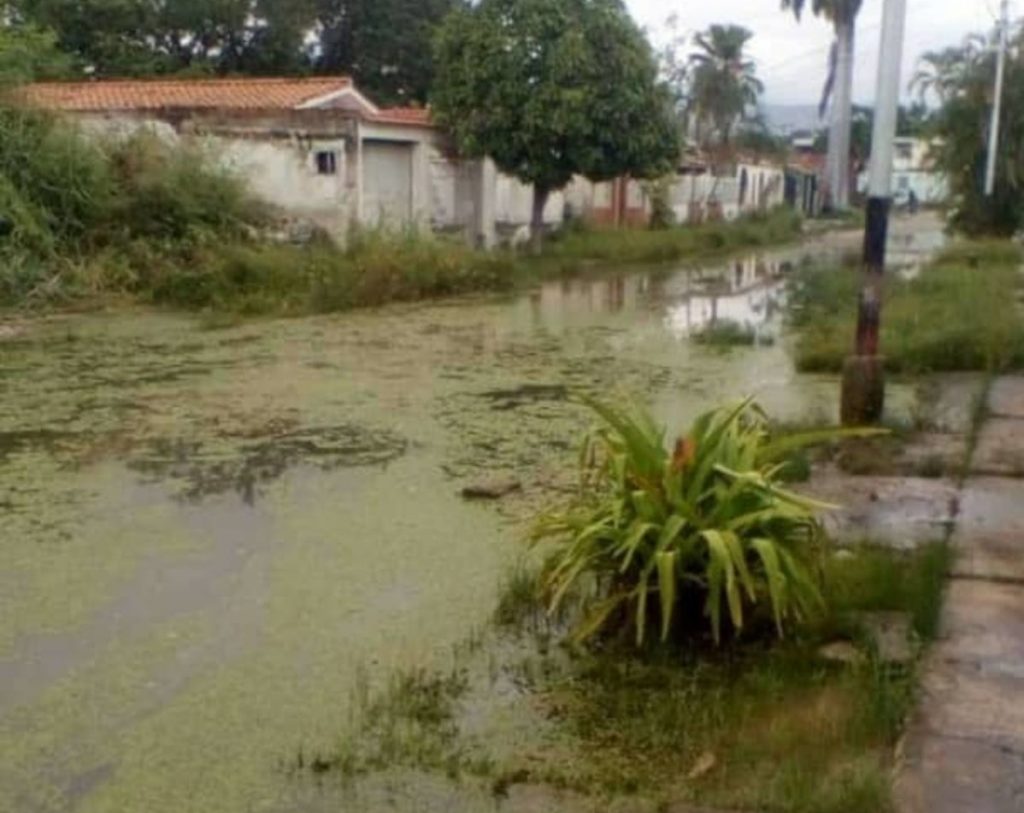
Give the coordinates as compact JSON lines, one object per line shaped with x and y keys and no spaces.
{"x":748,"y":294}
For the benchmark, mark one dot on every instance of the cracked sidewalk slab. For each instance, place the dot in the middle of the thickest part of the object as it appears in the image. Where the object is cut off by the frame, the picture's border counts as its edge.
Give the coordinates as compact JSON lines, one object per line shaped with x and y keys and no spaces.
{"x":1000,"y":450}
{"x":989,"y":537}
{"x":1006,"y":398}
{"x":901,"y":512}
{"x":965,"y":751}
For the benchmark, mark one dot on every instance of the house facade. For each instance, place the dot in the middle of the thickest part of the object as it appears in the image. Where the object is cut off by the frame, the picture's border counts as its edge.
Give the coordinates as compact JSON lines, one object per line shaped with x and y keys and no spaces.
{"x":325,"y":156}
{"x":725,"y":189}
{"x":316,"y":149}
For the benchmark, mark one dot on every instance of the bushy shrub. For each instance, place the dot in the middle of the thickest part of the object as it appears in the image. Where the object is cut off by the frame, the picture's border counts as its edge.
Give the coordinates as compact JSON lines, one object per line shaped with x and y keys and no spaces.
{"x":176,"y":192}
{"x":685,"y":538}
{"x":53,"y":174}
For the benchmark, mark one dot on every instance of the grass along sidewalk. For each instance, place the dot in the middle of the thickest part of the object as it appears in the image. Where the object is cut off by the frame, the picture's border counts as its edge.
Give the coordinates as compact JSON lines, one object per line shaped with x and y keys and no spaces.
{"x":962,"y":312}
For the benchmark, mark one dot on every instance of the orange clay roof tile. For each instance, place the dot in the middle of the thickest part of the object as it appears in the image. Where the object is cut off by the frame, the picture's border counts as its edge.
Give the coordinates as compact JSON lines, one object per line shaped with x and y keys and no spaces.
{"x":158,"y":94}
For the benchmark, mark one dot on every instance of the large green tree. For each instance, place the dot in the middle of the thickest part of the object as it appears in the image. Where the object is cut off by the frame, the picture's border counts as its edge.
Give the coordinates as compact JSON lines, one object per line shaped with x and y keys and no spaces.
{"x":964,"y":79}
{"x":839,"y":86}
{"x":27,"y":53}
{"x":385,"y":45}
{"x":724,"y":85}
{"x":553,"y":88}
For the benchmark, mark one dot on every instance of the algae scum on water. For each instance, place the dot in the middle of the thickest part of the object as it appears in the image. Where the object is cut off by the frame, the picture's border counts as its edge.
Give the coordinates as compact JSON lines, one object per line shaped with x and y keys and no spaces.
{"x":212,"y":538}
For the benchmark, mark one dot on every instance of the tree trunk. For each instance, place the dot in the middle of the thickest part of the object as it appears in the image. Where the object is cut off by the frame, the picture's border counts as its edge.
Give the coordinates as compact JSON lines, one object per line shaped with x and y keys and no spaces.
{"x":842,"y":118}
{"x":540,"y":202}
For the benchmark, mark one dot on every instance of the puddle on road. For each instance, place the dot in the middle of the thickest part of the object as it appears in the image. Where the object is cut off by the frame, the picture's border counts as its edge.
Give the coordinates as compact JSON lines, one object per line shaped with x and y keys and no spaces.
{"x":208,"y":535}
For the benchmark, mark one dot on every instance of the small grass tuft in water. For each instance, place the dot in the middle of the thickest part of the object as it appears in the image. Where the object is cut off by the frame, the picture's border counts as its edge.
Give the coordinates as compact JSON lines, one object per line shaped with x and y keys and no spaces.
{"x":412,"y":722}
{"x":752,"y":726}
{"x":518,"y":597}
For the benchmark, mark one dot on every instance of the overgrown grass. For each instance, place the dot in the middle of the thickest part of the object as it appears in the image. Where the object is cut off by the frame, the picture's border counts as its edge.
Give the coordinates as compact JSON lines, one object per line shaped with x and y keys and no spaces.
{"x":960,"y":313}
{"x":87,"y":216}
{"x":776,"y":727}
{"x":376,"y":268}
{"x":638,"y":246}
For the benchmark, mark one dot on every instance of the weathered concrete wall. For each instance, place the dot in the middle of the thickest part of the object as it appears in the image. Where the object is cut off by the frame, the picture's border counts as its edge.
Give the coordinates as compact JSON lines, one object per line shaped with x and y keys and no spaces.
{"x":761,"y":187}
{"x":513,"y":203}
{"x":279,"y":164}
{"x":695,"y":198}
{"x":285,"y":174}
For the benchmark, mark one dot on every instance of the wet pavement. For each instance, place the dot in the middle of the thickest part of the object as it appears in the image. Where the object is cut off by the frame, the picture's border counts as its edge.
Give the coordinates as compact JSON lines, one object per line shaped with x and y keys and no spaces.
{"x":210,"y":537}
{"x":965,"y":751}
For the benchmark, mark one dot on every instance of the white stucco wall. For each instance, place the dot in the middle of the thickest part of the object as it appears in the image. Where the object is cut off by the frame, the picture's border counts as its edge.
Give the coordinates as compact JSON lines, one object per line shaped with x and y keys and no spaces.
{"x":513,"y":203}
{"x":284,"y":173}
{"x":450,"y":195}
{"x":690,"y":192}
{"x":766,"y":187}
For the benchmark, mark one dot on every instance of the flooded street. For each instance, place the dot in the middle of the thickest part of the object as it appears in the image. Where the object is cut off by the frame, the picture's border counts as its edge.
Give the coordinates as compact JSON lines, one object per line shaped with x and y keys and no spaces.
{"x":210,"y":535}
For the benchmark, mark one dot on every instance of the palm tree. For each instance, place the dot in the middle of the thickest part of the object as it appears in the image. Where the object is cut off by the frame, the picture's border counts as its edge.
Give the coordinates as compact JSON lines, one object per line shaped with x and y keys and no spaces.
{"x":724,"y":84}
{"x":843,"y":16}
{"x":942,"y":73}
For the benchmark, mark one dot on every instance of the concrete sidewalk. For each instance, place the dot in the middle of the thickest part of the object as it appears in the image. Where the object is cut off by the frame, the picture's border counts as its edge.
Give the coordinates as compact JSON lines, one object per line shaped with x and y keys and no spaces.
{"x":964,"y":752}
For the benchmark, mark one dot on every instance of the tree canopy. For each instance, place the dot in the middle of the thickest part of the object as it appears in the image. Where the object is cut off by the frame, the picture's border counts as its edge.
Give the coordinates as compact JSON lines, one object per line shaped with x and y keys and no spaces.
{"x":27,"y":52}
{"x":140,"y":37}
{"x":553,"y":88}
{"x":385,"y":45}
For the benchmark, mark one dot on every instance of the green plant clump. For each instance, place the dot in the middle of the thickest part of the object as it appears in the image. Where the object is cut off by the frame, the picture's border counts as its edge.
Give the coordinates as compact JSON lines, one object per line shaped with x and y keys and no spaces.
{"x":685,"y":538}
{"x":727,"y":333}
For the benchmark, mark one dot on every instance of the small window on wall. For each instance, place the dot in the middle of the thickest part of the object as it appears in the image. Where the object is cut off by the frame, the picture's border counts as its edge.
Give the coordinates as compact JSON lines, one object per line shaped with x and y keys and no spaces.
{"x":326,"y":162}
{"x":903,"y":183}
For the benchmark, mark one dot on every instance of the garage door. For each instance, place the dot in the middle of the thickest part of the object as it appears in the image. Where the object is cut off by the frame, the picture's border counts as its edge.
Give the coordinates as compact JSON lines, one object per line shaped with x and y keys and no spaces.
{"x":387,"y":183}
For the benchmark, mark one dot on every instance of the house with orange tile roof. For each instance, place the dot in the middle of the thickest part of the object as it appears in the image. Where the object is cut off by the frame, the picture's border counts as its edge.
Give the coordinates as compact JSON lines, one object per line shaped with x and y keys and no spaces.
{"x":316,"y":148}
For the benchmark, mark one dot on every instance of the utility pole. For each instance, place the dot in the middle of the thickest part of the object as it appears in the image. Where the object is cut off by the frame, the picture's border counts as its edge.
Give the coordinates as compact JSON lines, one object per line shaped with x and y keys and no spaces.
{"x":997,"y":102}
{"x":863,"y":396}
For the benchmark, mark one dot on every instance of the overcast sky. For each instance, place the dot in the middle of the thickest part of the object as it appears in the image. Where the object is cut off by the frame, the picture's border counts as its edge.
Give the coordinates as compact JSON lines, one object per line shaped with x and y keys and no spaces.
{"x":791,"y":57}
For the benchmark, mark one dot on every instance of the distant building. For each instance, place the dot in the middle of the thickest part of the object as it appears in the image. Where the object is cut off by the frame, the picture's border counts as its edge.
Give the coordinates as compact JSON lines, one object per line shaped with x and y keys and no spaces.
{"x":805,"y":182}
{"x":914,"y":170}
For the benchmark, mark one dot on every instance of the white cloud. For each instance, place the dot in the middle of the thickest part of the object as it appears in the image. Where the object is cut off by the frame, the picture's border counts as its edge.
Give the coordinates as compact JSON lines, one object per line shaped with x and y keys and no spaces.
{"x":791,"y":56}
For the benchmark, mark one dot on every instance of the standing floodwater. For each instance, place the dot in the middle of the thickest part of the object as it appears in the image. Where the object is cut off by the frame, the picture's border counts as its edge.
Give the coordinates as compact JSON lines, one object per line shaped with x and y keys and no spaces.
{"x":207,"y":535}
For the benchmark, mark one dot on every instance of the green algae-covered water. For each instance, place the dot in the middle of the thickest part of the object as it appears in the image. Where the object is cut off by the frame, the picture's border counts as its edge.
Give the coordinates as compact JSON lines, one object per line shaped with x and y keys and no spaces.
{"x":208,"y":535}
